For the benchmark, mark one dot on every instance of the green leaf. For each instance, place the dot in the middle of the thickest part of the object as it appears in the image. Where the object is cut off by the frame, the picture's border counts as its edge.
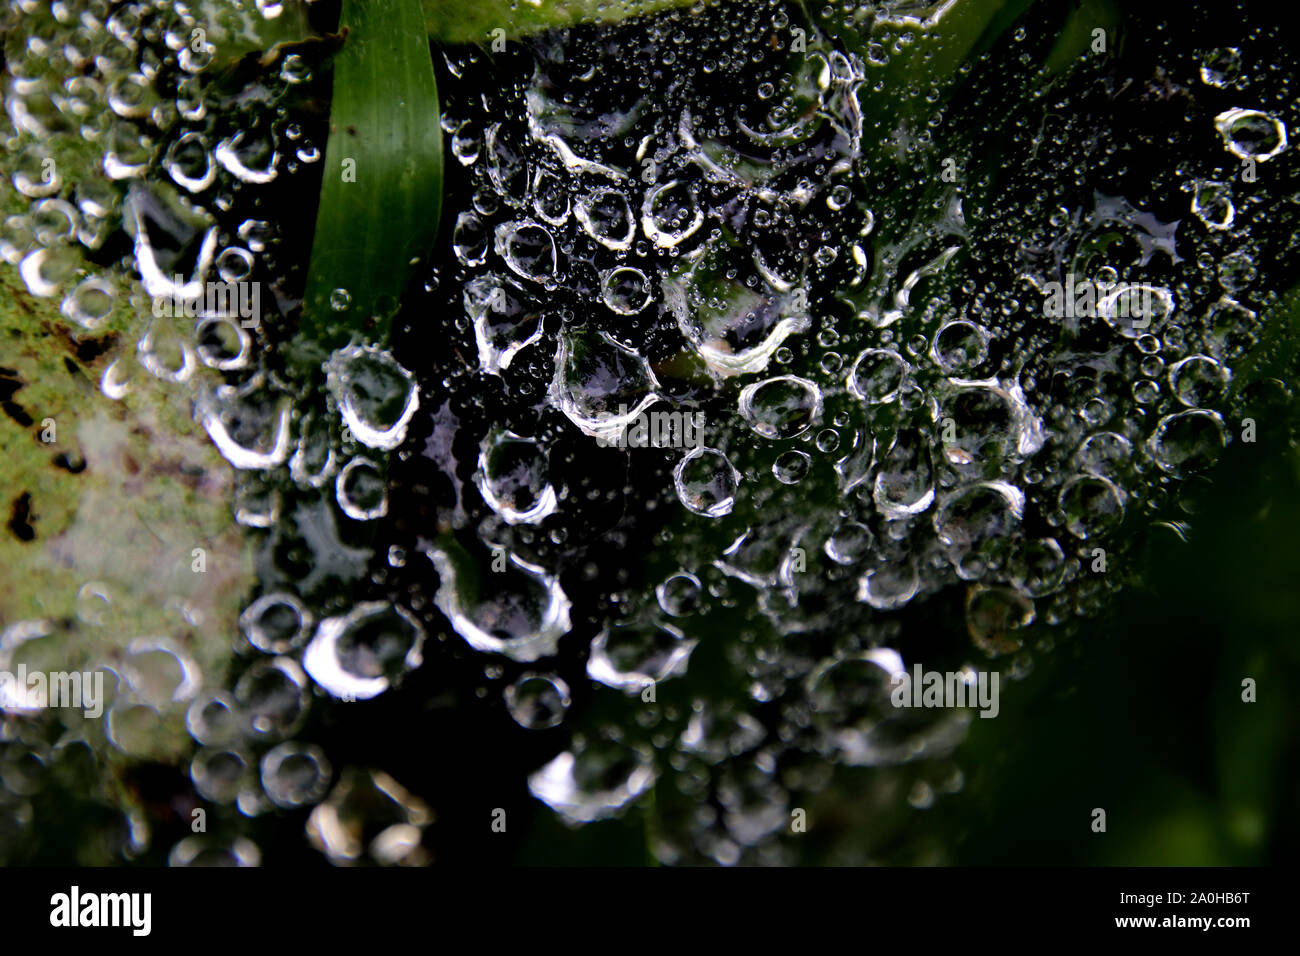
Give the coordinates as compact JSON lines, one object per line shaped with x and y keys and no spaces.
{"x":382,"y":189}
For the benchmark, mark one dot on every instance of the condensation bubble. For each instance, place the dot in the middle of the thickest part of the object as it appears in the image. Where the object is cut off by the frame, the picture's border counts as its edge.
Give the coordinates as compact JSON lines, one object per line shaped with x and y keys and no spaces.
{"x":211,"y":851}
{"x":1251,"y":134}
{"x":213,"y":719}
{"x":706,"y":482}
{"x":538,"y":701}
{"x":850,"y":543}
{"x":1134,"y":310}
{"x":904,"y":485}
{"x":294,"y":774}
{"x":594,"y":781}
{"x":94,"y":603}
{"x":994,"y":616}
{"x":1236,"y":271}
{"x":1103,"y":453}
{"x":53,"y":221}
{"x":791,"y":466}
{"x":249,"y":425}
{"x":159,"y":672}
{"x":220,"y":774}
{"x":520,"y":611}
{"x":626,"y":290}
{"x":606,"y":216}
{"x":47,"y":271}
{"x":90,"y":303}
{"x":715,"y":734}
{"x":1189,"y":442}
{"x":982,"y":511}
{"x":314,"y":461}
{"x":513,"y":478}
{"x":680,"y":594}
{"x":550,"y":197}
{"x":528,"y":249}
{"x":630,"y":657}
{"x":600,"y":384}
{"x":1093,"y":506}
{"x":272,"y":696}
{"x":1198,"y":380}
{"x":1038,"y":567}
{"x":256,"y":233}
{"x":959,"y":347}
{"x":876,"y":376}
{"x":234,"y":264}
{"x":851,"y":698}
{"x":670,"y":213}
{"x":190,"y":164}
{"x":376,"y":396}
{"x":295,"y":69}
{"x":889,"y":587}
{"x":164,"y":354}
{"x":362,"y":653}
{"x":1212,"y":204}
{"x":1221,"y":67}
{"x":505,"y":322}
{"x":276,"y":623}
{"x":222,"y":343}
{"x":781,"y":407}
{"x":469,"y":240}
{"x":361,"y":491}
{"x":249,"y":157}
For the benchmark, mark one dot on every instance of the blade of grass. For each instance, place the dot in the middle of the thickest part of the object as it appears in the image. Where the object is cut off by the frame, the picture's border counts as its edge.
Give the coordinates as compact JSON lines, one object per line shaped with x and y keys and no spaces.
{"x":382,"y":189}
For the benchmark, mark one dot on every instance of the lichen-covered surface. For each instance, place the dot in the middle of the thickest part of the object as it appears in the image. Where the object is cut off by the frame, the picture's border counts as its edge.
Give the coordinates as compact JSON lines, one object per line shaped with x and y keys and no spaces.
{"x":372,"y":574}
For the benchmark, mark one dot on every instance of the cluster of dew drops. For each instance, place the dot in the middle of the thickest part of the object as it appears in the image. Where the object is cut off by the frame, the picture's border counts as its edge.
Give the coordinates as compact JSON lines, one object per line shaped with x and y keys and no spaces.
{"x":865,"y":447}
{"x":671,"y":217}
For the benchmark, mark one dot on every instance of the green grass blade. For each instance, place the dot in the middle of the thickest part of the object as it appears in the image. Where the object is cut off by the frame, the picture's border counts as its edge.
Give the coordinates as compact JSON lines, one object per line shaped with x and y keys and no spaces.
{"x":382,"y":190}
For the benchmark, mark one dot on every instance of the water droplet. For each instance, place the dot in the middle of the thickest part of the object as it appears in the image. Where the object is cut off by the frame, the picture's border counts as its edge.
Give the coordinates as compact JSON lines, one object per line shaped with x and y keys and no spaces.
{"x":1251,"y":134}
{"x":791,"y":466}
{"x":876,"y":376}
{"x":606,"y":216}
{"x":781,"y":407}
{"x":626,"y":290}
{"x":630,"y":657}
{"x":670,"y":213}
{"x":520,"y":611}
{"x":375,"y":395}
{"x":276,"y":623}
{"x":294,"y":774}
{"x":706,"y":482}
{"x":512,"y":476}
{"x":527,"y":249}
{"x":679,"y":594}
{"x":1093,"y":505}
{"x":362,"y":653}
{"x":594,"y":781}
{"x":1221,"y":67}
{"x":538,"y":701}
{"x":1189,"y":442}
